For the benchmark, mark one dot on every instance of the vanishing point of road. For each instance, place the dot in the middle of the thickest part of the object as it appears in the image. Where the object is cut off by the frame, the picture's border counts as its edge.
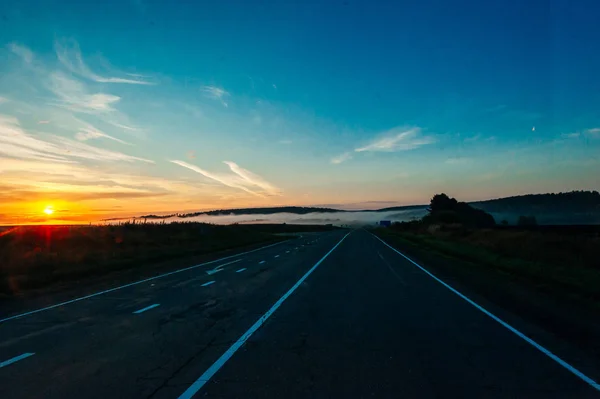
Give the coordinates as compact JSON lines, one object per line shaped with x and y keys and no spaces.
{"x":331,"y":315}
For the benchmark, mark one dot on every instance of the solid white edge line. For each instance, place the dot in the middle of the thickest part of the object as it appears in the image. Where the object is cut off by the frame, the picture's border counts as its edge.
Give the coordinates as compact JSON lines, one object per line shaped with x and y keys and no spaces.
{"x":15,"y":359}
{"x":530,"y":341}
{"x":147,"y":308}
{"x":134,"y":283}
{"x":210,"y":372}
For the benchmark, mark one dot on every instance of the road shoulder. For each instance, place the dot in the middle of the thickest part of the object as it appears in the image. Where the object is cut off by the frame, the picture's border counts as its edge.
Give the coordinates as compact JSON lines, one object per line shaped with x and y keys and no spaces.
{"x":565,"y":328}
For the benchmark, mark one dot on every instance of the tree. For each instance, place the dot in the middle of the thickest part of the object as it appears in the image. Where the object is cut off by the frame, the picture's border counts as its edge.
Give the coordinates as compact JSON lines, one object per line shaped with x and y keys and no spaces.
{"x":441,"y":202}
{"x":444,"y":209}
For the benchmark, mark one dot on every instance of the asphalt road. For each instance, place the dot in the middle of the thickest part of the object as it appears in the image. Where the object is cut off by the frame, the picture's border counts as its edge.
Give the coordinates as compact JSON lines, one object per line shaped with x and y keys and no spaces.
{"x":326,"y":315}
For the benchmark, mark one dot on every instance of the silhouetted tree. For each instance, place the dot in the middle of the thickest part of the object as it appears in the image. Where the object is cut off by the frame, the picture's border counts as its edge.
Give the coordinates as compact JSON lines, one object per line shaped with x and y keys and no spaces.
{"x":441,"y":202}
{"x":444,"y":209}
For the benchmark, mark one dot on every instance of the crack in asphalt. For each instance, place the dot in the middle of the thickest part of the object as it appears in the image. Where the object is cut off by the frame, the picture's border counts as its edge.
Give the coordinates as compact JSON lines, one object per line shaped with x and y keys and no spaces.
{"x":181,"y":315}
{"x":212,"y":313}
{"x":165,"y":383}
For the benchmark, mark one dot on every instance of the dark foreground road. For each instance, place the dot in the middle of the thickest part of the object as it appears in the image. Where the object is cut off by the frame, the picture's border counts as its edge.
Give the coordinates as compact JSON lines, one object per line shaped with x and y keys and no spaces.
{"x":327,"y":315}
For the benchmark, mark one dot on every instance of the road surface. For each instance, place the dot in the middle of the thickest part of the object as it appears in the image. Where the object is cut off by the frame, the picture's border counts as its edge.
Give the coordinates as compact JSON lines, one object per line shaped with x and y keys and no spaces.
{"x":336,"y":314}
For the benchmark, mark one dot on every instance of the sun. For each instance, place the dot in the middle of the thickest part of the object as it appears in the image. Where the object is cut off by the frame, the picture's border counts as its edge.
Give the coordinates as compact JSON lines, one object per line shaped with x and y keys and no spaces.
{"x":48,"y":210}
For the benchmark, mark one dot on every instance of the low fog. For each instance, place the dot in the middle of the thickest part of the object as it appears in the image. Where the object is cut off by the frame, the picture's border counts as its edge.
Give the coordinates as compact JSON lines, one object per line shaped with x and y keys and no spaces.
{"x":335,"y":218}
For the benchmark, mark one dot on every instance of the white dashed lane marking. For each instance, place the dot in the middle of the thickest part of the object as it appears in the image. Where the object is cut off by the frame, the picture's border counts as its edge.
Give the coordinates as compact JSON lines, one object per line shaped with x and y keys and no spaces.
{"x":15,"y":359}
{"x":147,"y":308}
{"x":208,"y":374}
{"x":17,"y":316}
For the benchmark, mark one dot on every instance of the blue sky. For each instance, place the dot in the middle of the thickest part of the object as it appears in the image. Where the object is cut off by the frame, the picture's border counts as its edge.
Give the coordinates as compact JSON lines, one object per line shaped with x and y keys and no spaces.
{"x":336,"y":103}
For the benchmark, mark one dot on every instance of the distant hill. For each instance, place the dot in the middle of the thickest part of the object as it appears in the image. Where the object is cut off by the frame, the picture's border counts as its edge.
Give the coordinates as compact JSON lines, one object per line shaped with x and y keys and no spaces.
{"x":399,"y":208}
{"x":299,"y":210}
{"x":574,"y":201}
{"x":575,"y":207}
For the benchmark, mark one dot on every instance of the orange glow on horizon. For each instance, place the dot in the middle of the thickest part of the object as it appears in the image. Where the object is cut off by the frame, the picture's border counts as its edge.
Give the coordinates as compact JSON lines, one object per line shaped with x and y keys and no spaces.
{"x":67,"y":211}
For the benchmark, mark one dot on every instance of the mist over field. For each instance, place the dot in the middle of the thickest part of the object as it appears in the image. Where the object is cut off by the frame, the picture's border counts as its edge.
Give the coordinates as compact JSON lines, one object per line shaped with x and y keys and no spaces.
{"x":556,"y":218}
{"x":572,"y":208}
{"x":335,"y":218}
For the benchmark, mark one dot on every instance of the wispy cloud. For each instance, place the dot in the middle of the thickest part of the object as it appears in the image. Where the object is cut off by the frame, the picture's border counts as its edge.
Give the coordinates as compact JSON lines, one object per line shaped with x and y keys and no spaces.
{"x":225,"y":180}
{"x":16,"y":143}
{"x":253,"y":179}
{"x":3,"y":100}
{"x":74,"y":96}
{"x":242,"y":179}
{"x":123,"y":126}
{"x":573,"y":135}
{"x":67,"y":92}
{"x":83,"y":176}
{"x":216,"y":93}
{"x":285,"y":141}
{"x":85,"y":151}
{"x":399,"y":139}
{"x":341,"y":158}
{"x":590,"y":133}
{"x":595,"y":132}
{"x":15,"y":189}
{"x":48,"y":186}
{"x":69,"y":54}
{"x":89,"y":133}
{"x":25,"y":53}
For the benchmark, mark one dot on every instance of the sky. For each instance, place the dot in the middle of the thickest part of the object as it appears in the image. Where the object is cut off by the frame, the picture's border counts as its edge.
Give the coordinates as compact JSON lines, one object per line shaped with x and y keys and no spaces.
{"x":123,"y":108}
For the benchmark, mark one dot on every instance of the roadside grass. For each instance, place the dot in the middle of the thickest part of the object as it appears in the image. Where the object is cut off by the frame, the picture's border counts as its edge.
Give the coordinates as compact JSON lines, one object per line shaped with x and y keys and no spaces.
{"x":33,"y":257}
{"x":565,"y":266}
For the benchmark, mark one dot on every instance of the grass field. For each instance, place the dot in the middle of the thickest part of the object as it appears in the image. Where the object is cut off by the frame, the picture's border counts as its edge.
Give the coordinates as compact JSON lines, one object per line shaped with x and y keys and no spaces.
{"x":38,"y":256}
{"x":564,"y":262}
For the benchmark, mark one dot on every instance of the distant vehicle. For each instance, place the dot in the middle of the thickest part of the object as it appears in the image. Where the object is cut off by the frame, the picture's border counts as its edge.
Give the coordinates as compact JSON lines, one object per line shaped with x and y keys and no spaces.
{"x":385,"y":223}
